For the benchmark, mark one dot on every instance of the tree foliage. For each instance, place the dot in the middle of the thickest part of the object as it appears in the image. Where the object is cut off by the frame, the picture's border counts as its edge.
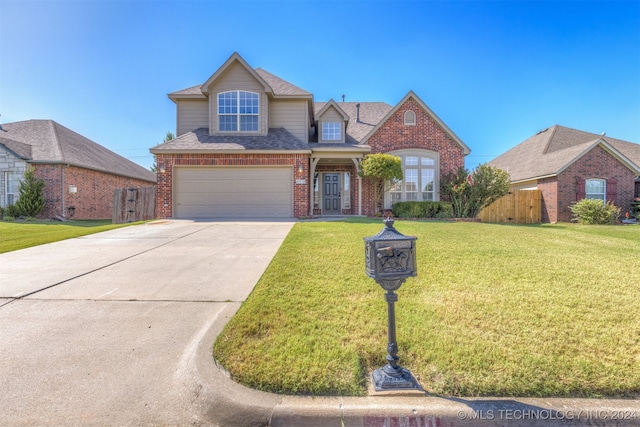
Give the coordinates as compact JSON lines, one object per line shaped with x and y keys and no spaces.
{"x":469,"y":192}
{"x":384,"y":170}
{"x":31,"y":200}
{"x":168,"y":137}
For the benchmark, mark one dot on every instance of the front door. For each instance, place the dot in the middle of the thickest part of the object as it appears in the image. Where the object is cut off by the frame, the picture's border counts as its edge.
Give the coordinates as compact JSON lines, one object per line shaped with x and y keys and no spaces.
{"x":331,"y":194}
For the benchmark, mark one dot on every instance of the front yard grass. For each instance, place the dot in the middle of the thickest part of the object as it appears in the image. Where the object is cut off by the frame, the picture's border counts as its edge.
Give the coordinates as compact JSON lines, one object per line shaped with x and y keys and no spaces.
{"x":18,"y":234}
{"x":495,"y":310}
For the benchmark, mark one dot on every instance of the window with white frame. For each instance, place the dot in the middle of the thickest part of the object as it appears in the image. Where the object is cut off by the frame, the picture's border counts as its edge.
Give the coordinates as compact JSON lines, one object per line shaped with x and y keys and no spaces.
{"x":331,"y":131}
{"x":419,"y":169}
{"x":595,"y":189}
{"x":238,"y":111}
{"x":409,"y":118}
{"x":9,"y":195}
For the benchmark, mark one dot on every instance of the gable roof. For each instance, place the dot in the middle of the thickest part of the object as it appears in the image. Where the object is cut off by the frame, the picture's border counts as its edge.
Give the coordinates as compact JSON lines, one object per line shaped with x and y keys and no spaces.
{"x":329,"y":104}
{"x":371,"y":113}
{"x":235,"y":57}
{"x":19,"y":149}
{"x":280,"y":87}
{"x":445,"y":128}
{"x":552,"y":150}
{"x":50,"y":142}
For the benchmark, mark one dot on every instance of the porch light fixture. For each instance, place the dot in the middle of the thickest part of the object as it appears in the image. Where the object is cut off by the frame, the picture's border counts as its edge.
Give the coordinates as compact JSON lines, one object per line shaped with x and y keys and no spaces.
{"x":162,"y":168}
{"x":390,"y":258}
{"x":73,"y":189}
{"x":71,"y":211}
{"x":300,"y":169}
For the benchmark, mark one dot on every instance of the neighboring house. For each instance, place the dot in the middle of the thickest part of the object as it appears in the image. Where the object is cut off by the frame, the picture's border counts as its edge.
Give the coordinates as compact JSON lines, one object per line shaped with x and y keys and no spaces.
{"x":79,"y":174}
{"x":568,"y":165}
{"x":249,"y":144}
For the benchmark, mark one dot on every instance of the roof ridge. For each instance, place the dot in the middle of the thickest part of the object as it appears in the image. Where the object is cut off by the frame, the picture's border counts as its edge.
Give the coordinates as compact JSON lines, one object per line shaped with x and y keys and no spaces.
{"x":551,"y":135}
{"x":281,"y":79}
{"x":56,"y":138}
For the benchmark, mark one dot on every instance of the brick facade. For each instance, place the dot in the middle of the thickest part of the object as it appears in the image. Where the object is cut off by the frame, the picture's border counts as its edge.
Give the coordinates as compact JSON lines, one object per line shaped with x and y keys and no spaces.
{"x":596,"y":164}
{"x":425,"y":134}
{"x":166,"y":162}
{"x":94,"y":196}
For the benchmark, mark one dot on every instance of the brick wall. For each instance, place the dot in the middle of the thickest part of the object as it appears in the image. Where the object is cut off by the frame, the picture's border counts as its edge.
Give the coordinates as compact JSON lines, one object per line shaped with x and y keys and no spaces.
{"x":164,"y":201}
{"x":94,"y":196}
{"x":425,"y":134}
{"x":549,"y":188}
{"x":596,"y":164}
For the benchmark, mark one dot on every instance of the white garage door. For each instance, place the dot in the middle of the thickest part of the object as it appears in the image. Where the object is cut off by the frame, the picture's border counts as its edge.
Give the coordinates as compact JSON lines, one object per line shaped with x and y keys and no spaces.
{"x":221,"y":192}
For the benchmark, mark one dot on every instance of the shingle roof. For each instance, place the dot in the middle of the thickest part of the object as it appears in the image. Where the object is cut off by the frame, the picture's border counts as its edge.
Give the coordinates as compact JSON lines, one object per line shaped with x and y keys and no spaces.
{"x":194,"y":90}
{"x":51,"y":142}
{"x":370,"y":115}
{"x":279,"y":86}
{"x":549,"y":151}
{"x":20,"y":149}
{"x":199,"y":140}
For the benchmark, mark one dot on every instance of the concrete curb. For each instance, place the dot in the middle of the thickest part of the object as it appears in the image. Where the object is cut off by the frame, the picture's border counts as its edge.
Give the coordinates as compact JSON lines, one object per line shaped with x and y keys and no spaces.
{"x":229,"y":404}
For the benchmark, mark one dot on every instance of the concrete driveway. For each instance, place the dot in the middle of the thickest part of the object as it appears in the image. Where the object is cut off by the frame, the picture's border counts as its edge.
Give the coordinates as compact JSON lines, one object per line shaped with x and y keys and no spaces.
{"x":103,"y":329}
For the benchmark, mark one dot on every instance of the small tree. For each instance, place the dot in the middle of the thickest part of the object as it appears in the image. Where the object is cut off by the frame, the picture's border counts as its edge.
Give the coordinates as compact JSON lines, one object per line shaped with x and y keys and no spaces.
{"x":168,"y":137}
{"x":384,"y":170}
{"x":31,"y":200}
{"x":470,"y":192}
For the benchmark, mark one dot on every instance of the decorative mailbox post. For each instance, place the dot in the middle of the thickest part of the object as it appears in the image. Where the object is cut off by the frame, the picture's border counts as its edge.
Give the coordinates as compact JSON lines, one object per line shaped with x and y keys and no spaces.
{"x":390,"y":259}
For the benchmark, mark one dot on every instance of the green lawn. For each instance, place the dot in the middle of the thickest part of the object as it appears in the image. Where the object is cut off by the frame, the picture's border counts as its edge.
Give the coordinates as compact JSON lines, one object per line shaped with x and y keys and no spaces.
{"x":495,"y":310}
{"x":17,"y":234}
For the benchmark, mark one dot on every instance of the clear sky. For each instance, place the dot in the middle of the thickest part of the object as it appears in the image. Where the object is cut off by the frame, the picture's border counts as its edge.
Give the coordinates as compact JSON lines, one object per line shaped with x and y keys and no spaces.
{"x":496,"y":72}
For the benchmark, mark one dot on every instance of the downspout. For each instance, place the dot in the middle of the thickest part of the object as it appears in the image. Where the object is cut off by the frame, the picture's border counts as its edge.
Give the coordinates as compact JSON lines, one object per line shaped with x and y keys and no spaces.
{"x":63,"y":167}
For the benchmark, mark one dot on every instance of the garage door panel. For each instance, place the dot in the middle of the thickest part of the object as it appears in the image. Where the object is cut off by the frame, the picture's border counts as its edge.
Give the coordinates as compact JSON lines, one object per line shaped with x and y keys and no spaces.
{"x":233,"y":192}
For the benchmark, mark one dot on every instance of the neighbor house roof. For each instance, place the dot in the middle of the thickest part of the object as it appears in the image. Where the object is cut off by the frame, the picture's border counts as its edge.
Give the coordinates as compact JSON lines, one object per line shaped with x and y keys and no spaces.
{"x":552,"y":150}
{"x":50,"y":142}
{"x":371,"y":113}
{"x":277,"y":139}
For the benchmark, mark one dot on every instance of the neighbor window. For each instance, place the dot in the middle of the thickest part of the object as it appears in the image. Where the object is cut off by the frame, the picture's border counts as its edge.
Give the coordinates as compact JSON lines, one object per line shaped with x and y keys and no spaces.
{"x":238,"y":111}
{"x":595,"y":189}
{"x":8,"y":188}
{"x":331,"y":131}
{"x":419,"y":168}
{"x":409,"y":118}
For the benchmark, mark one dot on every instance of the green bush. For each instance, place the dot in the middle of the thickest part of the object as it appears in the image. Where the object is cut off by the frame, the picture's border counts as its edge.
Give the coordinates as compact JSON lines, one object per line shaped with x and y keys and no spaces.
{"x":10,"y":213}
{"x":593,"y":211}
{"x":31,"y":200}
{"x":635,"y":208}
{"x":422,"y":210}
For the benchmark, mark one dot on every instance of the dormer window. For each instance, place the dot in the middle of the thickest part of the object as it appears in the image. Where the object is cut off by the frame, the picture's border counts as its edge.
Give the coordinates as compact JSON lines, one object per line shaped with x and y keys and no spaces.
{"x":409,"y":118}
{"x":238,"y":111}
{"x":331,"y":131}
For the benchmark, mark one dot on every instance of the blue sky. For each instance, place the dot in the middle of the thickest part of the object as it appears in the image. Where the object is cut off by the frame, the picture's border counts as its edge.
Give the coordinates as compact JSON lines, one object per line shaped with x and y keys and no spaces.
{"x":495,"y":72}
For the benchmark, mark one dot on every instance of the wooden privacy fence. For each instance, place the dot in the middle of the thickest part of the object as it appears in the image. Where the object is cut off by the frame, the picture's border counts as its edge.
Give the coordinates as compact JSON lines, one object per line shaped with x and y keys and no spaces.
{"x":517,"y":207}
{"x":133,"y":204}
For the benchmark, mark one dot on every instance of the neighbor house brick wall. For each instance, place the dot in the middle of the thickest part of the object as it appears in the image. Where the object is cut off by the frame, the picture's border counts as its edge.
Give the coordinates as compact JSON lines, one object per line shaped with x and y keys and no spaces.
{"x":164,"y":201}
{"x":549,"y":194}
{"x":94,"y":196}
{"x":425,"y":134}
{"x":596,"y":164}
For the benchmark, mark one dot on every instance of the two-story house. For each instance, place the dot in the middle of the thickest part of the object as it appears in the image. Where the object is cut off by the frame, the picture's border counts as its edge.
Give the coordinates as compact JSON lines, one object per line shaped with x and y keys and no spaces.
{"x":249,"y":144}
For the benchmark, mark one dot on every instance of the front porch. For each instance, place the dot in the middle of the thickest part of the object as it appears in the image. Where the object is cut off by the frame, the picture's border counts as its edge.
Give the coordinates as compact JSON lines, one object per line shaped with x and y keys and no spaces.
{"x":336,"y":188}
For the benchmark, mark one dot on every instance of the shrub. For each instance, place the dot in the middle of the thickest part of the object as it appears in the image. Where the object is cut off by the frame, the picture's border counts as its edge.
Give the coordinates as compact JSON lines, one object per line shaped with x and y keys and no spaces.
{"x":635,"y":208}
{"x":422,"y":210}
{"x":1,"y":212}
{"x":593,"y":211}
{"x":10,"y":213}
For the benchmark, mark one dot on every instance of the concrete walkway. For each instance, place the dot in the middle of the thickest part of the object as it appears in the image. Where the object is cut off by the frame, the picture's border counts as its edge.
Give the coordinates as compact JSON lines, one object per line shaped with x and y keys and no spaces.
{"x":116,"y":329}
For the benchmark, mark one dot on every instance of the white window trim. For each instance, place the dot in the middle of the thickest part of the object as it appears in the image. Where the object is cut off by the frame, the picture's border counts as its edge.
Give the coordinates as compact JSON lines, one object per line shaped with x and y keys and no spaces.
{"x":419,"y":167}
{"x":598,"y":196}
{"x":8,"y":188}
{"x":238,"y":114}
{"x":331,"y":130}
{"x":410,"y":122}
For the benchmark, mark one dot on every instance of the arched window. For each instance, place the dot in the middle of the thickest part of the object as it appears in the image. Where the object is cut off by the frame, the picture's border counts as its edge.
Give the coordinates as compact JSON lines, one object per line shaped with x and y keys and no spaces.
{"x":409,"y":118}
{"x":421,"y":177}
{"x":238,"y":111}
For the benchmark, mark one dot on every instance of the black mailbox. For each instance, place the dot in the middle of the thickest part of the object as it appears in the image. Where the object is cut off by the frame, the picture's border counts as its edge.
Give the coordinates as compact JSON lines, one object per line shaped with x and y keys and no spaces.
{"x":390,"y":257}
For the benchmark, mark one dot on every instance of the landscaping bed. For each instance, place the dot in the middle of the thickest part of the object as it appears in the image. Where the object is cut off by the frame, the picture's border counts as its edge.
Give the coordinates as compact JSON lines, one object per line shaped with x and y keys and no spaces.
{"x":544,"y":310}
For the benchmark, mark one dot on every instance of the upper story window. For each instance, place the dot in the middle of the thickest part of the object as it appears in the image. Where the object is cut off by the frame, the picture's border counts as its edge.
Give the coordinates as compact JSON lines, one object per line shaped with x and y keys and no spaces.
{"x":595,"y":189}
{"x":331,"y":131}
{"x":238,"y":111}
{"x":409,"y":118}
